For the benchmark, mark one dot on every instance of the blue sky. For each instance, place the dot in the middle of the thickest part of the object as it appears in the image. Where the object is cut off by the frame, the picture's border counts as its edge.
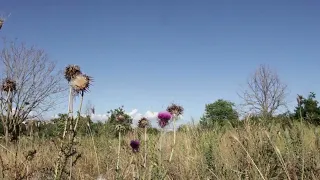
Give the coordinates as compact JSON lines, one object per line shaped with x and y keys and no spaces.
{"x":147,"y":54}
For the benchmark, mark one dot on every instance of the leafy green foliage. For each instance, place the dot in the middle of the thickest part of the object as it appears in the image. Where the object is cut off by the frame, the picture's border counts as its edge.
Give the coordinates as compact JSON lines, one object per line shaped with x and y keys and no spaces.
{"x":221,"y":111}
{"x":310,"y":109}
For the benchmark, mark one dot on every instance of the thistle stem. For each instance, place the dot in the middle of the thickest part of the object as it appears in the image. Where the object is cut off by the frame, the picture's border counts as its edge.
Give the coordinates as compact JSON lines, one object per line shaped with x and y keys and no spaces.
{"x":70,"y":109}
{"x":80,"y":109}
{"x":145,"y":147}
{"x":119,"y":148}
{"x":174,"y":138}
{"x":160,"y":147}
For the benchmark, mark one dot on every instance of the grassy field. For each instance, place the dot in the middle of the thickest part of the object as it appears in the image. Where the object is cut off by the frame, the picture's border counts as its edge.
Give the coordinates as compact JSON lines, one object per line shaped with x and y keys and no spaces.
{"x":248,"y":152}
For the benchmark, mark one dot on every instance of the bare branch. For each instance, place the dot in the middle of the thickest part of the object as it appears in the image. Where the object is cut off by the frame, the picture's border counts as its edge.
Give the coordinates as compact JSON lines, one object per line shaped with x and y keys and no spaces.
{"x":39,"y":84}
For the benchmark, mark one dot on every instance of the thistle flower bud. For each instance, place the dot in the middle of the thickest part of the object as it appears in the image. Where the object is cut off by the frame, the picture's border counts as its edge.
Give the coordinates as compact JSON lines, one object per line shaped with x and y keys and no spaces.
{"x":135,"y":144}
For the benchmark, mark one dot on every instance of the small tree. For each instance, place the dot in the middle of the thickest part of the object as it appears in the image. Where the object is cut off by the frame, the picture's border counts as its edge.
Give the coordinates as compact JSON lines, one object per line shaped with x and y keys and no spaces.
{"x":218,"y":112}
{"x":30,"y":83}
{"x":308,"y":109}
{"x":266,"y":93}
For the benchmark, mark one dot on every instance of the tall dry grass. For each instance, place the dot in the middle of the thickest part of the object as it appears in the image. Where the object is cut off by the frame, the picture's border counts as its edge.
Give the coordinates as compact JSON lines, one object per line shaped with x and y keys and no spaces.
{"x":249,"y":152}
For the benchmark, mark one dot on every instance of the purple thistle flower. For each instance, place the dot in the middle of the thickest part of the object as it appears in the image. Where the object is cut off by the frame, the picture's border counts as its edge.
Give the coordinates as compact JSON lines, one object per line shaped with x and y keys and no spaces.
{"x":165,"y":115}
{"x":164,"y":118}
{"x":135,"y":145}
{"x":163,"y":123}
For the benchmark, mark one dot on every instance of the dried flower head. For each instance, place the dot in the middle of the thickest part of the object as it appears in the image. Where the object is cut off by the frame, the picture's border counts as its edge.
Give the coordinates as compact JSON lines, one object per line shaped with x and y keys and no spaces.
{"x":71,"y":71}
{"x":1,"y":23}
{"x":299,"y":99}
{"x":175,"y":109}
{"x":9,"y":85}
{"x":135,"y":145}
{"x":120,"y":128}
{"x":81,"y":83}
{"x":120,"y":118}
{"x":143,"y":122}
{"x":164,"y":118}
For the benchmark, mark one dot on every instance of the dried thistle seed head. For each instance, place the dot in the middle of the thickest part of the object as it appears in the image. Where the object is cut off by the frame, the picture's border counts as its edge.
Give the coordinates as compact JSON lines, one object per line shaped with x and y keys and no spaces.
{"x":1,"y":23}
{"x":120,"y":128}
{"x":175,"y":109}
{"x":120,"y":118}
{"x":81,"y":83}
{"x":9,"y":85}
{"x":71,"y":71}
{"x":299,"y":99}
{"x":143,"y":122}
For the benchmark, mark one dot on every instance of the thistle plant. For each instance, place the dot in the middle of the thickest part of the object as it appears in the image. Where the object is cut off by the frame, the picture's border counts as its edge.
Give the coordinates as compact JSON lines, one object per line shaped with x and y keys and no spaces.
{"x":119,"y":129}
{"x":144,"y":123}
{"x":70,"y":73}
{"x":163,"y":120}
{"x":79,"y":84}
{"x":9,"y":87}
{"x":176,"y":111}
{"x":135,"y":144}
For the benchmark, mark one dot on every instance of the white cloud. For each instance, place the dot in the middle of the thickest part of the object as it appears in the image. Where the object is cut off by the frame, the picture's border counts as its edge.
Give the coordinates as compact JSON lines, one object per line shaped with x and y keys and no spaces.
{"x":135,"y":114}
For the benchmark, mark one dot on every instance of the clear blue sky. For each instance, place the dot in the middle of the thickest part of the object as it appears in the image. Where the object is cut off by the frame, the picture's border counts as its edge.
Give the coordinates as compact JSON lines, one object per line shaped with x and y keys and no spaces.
{"x":146,"y":54}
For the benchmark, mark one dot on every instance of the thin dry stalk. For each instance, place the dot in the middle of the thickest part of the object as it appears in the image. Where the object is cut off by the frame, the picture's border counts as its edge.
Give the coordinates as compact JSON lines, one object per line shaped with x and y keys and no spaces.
{"x":145,"y":148}
{"x":119,"y":148}
{"x":174,"y":138}
{"x":80,"y":109}
{"x":94,"y":147}
{"x":234,"y":137}
{"x":279,"y":156}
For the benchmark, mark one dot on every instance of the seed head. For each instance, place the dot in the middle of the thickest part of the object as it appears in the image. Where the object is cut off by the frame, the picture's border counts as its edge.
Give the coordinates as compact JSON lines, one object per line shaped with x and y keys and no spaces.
{"x":143,"y":122}
{"x":120,"y":128}
{"x":9,"y":85}
{"x":1,"y":23}
{"x":135,"y":145}
{"x":71,"y":71}
{"x":81,"y":83}
{"x":175,"y":109}
{"x":299,"y":99}
{"x":121,"y":118}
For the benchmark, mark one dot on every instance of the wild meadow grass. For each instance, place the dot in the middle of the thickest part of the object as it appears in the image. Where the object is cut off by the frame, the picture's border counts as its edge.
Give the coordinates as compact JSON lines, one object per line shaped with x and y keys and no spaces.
{"x":246,"y":152}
